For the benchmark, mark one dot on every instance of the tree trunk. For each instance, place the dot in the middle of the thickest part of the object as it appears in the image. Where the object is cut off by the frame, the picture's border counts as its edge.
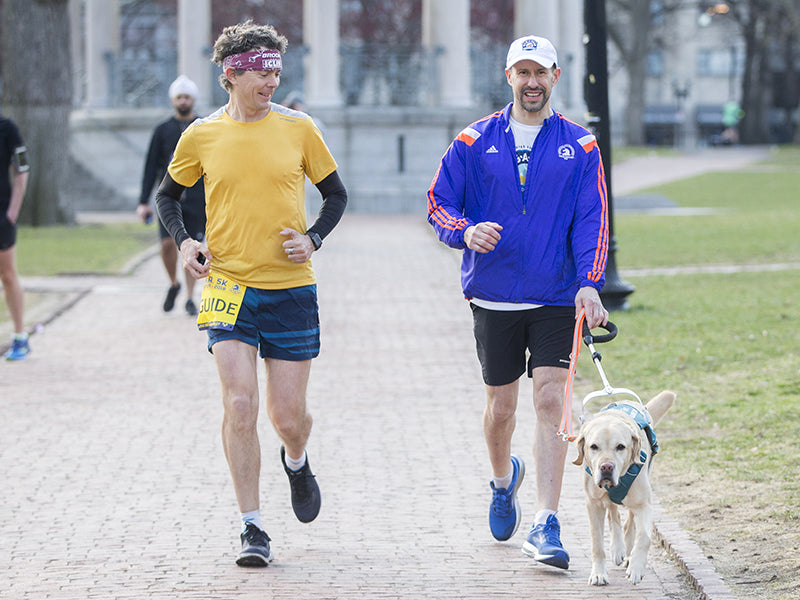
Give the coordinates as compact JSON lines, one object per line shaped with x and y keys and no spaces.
{"x":756,"y":96}
{"x":629,"y":31}
{"x":37,"y":95}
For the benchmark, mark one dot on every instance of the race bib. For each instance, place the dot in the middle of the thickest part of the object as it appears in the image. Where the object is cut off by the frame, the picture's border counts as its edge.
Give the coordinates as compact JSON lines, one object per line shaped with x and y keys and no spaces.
{"x":220,"y":304}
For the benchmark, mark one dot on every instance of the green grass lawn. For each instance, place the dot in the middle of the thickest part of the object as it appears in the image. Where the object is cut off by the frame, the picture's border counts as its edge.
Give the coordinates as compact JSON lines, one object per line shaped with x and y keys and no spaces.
{"x":102,"y":249}
{"x":757,"y":220}
{"x":98,"y":249}
{"x":729,"y":344}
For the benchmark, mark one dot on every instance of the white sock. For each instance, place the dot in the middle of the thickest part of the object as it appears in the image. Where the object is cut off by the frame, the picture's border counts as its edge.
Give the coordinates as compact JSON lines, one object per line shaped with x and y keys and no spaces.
{"x":504,"y":482}
{"x":252,"y":516}
{"x":542,"y":516}
{"x":21,"y":336}
{"x":295,"y":464}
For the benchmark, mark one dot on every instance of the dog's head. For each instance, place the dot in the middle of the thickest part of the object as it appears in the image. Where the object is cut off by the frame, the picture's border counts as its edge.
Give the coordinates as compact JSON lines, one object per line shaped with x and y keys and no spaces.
{"x":609,"y":444}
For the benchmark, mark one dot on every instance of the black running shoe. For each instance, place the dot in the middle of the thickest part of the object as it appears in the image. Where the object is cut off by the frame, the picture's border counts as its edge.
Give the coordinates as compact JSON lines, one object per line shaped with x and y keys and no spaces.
{"x":306,"y":499}
{"x":191,"y":308}
{"x":255,"y":548}
{"x":172,"y":293}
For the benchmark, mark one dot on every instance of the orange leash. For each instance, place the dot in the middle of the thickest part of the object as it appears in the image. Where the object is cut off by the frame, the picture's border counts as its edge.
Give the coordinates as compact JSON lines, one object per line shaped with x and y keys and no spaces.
{"x":565,"y":429}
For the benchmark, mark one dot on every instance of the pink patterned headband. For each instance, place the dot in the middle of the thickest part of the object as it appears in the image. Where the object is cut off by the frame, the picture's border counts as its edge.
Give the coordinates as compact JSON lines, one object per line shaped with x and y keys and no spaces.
{"x":254,"y":60}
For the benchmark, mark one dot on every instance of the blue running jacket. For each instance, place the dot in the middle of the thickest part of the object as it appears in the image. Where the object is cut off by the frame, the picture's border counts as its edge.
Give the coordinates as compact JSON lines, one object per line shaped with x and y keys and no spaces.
{"x":555,"y":235}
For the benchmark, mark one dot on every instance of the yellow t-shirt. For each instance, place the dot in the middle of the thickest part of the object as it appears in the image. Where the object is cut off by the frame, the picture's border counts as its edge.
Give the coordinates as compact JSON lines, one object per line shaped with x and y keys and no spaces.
{"x":254,"y":176}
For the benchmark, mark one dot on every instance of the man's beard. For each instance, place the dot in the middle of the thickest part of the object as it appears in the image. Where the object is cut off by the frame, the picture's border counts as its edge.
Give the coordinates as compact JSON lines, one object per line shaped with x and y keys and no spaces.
{"x":184,"y":111}
{"x":534,"y":106}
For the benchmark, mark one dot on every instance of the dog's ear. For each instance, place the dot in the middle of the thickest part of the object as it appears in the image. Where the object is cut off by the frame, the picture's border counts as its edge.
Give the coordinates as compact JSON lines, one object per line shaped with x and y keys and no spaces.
{"x":636,"y":445}
{"x":579,"y":444}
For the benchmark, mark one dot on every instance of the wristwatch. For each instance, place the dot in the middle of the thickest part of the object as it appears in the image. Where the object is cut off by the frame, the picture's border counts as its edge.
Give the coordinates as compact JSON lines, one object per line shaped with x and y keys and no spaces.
{"x":315,"y":239}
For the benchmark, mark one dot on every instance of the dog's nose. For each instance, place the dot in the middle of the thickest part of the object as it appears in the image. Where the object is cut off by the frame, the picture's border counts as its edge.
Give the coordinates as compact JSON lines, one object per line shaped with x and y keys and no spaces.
{"x":606,"y":470}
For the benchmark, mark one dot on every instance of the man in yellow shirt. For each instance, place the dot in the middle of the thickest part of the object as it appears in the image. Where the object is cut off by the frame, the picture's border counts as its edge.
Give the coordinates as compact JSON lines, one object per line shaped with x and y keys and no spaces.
{"x":260,"y":290}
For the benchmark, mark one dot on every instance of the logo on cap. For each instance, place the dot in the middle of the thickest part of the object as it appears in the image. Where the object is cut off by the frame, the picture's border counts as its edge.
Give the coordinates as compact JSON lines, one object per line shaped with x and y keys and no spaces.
{"x":529,"y":44}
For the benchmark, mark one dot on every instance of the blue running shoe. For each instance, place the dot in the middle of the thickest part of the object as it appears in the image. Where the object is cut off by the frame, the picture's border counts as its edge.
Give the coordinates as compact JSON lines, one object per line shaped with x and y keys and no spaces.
{"x":544,"y":544}
{"x":505,"y":513}
{"x":19,"y":350}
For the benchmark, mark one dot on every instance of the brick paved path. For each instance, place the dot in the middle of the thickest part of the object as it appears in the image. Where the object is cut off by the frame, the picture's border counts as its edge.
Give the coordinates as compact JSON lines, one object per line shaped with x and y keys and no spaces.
{"x":114,"y":483}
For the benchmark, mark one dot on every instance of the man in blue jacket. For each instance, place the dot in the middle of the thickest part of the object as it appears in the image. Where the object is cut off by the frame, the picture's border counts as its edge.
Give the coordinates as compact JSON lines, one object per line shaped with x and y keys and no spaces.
{"x":522,"y":193}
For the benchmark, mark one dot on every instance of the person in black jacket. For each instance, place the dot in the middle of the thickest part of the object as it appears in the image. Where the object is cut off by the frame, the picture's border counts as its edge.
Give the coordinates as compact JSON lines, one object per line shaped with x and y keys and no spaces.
{"x":183,"y":94}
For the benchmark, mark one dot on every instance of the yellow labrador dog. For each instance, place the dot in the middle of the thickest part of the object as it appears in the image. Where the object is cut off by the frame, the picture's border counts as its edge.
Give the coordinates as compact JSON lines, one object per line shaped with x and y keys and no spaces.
{"x":616,"y":447}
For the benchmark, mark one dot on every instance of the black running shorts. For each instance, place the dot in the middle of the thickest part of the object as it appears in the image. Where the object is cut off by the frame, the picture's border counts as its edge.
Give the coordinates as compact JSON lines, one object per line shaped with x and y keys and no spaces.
{"x":504,"y":338}
{"x":8,"y":232}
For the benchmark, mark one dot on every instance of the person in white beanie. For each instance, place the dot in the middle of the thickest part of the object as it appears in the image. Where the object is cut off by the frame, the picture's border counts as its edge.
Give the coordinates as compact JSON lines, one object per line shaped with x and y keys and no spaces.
{"x":183,"y":94}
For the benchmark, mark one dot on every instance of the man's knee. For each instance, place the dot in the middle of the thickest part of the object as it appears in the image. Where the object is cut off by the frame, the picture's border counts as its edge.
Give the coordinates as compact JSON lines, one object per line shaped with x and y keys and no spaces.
{"x":291,"y":424}
{"x":548,"y":389}
{"x":501,"y":402}
{"x":241,"y":412}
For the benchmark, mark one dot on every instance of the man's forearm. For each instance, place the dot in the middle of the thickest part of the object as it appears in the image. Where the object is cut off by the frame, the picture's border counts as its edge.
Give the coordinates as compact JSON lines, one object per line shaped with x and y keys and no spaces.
{"x":168,"y":200}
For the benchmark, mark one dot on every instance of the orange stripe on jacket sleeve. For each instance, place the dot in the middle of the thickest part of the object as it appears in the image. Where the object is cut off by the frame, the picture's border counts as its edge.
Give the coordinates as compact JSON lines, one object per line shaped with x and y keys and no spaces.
{"x":438,"y":213}
{"x":601,"y":254}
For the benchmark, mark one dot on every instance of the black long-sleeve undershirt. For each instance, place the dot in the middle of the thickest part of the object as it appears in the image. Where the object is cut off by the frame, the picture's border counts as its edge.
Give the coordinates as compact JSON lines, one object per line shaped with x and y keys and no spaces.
{"x":334,"y":201}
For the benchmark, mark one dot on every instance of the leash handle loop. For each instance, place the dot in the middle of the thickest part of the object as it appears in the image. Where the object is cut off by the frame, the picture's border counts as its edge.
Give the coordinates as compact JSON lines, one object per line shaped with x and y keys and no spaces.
{"x":589,"y":339}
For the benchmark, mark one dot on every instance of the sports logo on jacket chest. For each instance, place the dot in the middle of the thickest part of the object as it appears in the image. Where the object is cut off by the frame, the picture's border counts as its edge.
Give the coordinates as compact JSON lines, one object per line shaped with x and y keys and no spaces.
{"x":566,"y":151}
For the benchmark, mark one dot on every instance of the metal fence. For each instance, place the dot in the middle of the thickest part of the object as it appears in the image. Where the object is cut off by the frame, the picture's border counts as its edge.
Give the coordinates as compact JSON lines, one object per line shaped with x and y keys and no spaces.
{"x":370,"y":75}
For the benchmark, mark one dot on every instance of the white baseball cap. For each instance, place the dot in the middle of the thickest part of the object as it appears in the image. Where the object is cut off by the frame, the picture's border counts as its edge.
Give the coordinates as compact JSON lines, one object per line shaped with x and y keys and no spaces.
{"x":531,"y":47}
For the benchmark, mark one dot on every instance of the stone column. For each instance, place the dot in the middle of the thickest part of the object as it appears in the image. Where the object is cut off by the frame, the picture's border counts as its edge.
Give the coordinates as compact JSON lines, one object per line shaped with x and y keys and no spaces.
{"x":102,"y":43}
{"x":571,"y":55}
{"x":321,"y":62}
{"x":537,"y":17}
{"x":194,"y":40}
{"x":445,"y":34}
{"x":76,"y":51}
{"x":681,"y":60}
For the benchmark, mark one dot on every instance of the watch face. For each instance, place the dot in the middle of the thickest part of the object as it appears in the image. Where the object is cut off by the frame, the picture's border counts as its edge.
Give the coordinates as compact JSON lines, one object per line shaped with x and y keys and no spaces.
{"x":315,"y":239}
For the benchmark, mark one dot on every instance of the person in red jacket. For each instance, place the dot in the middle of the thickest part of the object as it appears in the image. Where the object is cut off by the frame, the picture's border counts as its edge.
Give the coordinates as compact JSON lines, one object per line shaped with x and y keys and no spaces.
{"x":522,"y":193}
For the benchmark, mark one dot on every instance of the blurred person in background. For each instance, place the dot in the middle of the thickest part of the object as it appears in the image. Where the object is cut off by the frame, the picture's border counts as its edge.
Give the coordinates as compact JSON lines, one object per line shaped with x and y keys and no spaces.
{"x":183,"y":94}
{"x":14,"y":170}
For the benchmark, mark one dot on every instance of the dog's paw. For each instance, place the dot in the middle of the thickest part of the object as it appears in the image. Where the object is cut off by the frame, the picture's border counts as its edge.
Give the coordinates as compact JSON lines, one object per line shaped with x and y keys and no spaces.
{"x":617,"y":553}
{"x":598,"y":578}
{"x":635,"y":574}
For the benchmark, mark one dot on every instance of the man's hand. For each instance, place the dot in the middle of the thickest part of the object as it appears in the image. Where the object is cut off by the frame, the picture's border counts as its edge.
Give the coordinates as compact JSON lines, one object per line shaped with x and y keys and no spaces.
{"x":12,"y":215}
{"x":298,"y":247}
{"x":144,"y":212}
{"x":482,"y":237}
{"x":190,"y":250}
{"x":588,"y":299}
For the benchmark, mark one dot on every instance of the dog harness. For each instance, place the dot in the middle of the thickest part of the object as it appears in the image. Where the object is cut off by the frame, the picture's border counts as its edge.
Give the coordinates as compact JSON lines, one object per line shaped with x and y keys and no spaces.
{"x":639,"y":414}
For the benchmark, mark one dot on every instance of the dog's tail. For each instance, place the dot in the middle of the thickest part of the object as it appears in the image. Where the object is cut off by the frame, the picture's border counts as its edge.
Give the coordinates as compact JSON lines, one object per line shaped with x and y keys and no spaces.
{"x":660,"y":404}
